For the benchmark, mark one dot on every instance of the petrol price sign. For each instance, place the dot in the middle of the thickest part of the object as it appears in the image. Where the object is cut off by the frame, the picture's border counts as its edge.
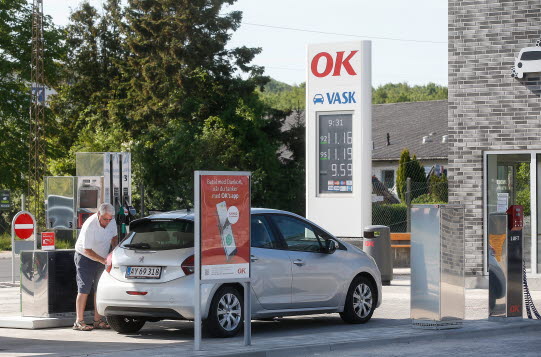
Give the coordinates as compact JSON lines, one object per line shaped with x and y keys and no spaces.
{"x":335,"y":153}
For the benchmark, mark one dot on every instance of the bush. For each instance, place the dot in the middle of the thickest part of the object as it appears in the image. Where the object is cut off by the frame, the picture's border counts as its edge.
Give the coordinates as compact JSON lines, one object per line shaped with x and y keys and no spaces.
{"x":439,"y":188}
{"x":426,"y":199}
{"x":393,"y":216}
{"x":5,"y":242}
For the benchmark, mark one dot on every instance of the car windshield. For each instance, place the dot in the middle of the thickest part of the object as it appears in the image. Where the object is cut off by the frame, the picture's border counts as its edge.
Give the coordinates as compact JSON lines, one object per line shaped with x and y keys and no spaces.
{"x":161,"y":235}
{"x":531,"y":56}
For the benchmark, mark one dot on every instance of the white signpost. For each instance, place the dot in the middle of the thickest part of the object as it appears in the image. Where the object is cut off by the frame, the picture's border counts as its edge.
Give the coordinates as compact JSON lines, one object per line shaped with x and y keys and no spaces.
{"x":339,"y":137}
{"x":24,"y":227}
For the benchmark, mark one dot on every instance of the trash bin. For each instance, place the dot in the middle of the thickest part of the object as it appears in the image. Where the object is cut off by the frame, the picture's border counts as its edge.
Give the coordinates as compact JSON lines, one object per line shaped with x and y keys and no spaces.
{"x":377,"y":244}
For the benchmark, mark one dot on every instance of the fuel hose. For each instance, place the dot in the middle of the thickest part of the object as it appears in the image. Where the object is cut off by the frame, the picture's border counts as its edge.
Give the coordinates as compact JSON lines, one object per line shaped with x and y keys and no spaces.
{"x":528,"y":302}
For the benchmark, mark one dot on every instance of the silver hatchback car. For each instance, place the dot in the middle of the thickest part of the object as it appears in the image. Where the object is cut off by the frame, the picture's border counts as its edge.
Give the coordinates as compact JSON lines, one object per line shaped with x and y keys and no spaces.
{"x":297,"y":269}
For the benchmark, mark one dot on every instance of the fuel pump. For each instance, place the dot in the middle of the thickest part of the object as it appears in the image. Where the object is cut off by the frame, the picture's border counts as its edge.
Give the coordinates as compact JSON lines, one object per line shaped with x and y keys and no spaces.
{"x":505,"y":265}
{"x":124,"y":216}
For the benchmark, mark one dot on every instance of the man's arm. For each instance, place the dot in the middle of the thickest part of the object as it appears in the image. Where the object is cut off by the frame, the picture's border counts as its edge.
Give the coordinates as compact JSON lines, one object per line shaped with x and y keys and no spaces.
{"x":94,"y":256}
{"x":114,"y":242}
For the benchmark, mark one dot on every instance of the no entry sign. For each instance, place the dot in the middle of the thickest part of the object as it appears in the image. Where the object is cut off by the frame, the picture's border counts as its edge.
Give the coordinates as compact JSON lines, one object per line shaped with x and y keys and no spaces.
{"x":23,"y":225}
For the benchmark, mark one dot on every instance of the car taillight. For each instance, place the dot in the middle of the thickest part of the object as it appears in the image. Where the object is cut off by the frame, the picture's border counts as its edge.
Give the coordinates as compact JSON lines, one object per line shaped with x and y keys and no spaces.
{"x":109,"y":262}
{"x":188,"y":265}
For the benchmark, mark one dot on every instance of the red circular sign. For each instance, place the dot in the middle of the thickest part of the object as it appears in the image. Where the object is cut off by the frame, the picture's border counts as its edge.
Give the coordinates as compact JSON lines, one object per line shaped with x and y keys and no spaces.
{"x":24,"y":226}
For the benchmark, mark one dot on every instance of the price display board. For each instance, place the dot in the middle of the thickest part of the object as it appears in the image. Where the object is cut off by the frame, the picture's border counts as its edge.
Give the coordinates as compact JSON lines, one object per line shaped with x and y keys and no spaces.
{"x":335,"y":153}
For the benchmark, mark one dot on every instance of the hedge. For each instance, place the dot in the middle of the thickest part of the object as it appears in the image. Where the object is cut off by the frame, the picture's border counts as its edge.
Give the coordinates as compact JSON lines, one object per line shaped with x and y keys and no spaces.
{"x":392,"y":215}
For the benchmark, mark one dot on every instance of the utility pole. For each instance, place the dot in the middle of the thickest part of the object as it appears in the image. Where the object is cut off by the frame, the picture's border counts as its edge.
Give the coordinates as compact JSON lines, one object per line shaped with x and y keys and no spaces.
{"x":36,"y":154}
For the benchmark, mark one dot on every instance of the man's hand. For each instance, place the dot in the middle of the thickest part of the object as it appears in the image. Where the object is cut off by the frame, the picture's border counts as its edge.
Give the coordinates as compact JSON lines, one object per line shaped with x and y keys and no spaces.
{"x":94,"y":256}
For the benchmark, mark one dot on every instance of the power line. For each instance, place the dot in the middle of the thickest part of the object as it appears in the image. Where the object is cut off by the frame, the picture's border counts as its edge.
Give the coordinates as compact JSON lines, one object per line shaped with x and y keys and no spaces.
{"x":343,"y":34}
{"x":287,"y":69}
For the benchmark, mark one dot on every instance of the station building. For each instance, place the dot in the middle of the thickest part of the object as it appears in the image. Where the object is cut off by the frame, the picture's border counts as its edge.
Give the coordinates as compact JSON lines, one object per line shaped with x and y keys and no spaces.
{"x":495,"y":121}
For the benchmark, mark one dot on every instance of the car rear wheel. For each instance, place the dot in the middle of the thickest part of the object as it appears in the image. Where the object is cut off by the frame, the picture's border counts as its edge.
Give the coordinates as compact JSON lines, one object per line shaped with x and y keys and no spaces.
{"x":125,"y":324}
{"x":360,"y":301}
{"x":226,"y":316}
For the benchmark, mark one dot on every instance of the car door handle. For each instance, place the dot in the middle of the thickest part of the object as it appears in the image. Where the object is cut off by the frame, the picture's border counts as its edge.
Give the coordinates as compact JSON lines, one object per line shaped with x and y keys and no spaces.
{"x":253,"y":258}
{"x":299,"y":262}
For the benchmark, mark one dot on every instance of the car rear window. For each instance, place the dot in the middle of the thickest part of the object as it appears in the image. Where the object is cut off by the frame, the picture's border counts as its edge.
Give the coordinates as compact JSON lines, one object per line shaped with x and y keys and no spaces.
{"x":164,"y":235}
{"x":531,"y":56}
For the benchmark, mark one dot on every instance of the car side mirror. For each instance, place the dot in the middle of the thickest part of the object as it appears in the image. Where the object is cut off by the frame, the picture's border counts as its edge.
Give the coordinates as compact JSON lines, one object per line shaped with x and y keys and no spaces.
{"x":330,"y":246}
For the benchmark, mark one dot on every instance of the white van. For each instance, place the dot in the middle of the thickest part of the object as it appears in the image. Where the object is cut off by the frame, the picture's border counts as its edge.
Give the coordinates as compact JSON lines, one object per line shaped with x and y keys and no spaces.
{"x":528,"y":61}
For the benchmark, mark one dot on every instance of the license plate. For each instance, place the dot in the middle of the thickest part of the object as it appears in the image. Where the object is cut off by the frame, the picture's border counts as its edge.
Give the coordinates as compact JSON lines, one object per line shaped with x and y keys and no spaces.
{"x":143,"y":272}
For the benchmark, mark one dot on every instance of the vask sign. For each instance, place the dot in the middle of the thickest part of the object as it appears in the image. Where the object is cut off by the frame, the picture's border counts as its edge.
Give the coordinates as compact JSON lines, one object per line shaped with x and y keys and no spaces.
{"x":335,"y":98}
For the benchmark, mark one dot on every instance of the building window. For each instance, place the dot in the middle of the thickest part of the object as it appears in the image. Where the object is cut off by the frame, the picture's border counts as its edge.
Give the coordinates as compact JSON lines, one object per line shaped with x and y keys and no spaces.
{"x":387,"y":176}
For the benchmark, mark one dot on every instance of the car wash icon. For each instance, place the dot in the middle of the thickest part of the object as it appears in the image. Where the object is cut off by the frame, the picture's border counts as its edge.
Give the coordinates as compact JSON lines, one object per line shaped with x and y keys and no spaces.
{"x":226,"y":218}
{"x":318,"y":98}
{"x":527,"y":61}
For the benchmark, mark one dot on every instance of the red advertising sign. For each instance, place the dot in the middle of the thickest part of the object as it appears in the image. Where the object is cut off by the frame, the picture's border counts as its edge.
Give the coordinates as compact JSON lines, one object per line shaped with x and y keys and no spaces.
{"x":225,"y":226}
{"x":47,"y":240}
{"x":24,"y":226}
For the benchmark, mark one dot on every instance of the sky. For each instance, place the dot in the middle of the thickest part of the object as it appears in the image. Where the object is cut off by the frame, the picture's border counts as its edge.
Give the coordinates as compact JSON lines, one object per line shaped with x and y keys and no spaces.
{"x":409,"y":37}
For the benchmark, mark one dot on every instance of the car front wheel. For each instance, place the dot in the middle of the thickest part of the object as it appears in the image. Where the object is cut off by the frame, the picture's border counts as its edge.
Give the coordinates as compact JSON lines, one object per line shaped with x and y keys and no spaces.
{"x":226,"y":316}
{"x":125,"y":324}
{"x":360,"y":301}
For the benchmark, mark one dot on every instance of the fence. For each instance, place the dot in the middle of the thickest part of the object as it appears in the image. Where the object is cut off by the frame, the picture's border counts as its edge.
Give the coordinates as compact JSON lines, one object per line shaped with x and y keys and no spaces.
{"x":395,"y":214}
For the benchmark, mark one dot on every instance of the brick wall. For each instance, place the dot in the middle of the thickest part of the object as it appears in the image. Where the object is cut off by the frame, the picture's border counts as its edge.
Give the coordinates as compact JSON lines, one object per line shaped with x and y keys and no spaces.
{"x":488,"y":109}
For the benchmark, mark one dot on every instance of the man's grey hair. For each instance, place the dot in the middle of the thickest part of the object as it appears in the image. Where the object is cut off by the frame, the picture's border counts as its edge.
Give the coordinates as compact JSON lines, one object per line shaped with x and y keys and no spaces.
{"x":106,"y":208}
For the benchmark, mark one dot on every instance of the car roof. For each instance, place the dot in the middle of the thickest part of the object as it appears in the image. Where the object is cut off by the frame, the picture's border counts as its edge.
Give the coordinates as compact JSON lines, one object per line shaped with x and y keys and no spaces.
{"x":530,"y":49}
{"x":189,"y":214}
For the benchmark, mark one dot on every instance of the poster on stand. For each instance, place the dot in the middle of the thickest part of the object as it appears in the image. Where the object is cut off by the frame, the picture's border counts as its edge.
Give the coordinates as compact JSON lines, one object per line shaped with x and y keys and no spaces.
{"x":225,"y":225}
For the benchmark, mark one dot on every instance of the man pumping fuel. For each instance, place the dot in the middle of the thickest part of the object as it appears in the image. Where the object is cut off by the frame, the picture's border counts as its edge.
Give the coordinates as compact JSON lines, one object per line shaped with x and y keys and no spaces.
{"x":98,"y":234}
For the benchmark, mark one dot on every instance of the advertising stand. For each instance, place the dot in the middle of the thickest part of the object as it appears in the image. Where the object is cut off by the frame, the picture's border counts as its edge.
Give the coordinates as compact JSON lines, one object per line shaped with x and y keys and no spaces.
{"x":222,"y":238}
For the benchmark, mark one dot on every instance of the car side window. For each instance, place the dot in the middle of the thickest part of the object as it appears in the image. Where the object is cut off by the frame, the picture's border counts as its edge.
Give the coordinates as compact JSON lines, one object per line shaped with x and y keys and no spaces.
{"x":297,"y":234}
{"x":261,"y":236}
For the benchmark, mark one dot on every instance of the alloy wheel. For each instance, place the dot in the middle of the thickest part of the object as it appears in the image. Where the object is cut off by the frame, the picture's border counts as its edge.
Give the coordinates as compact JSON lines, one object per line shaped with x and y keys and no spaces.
{"x":362,"y":300}
{"x":229,"y":312}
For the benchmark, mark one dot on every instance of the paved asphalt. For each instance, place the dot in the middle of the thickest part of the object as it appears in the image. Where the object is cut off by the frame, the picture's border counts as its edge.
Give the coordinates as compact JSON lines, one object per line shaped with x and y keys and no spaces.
{"x":389,"y":333}
{"x":523,"y":344}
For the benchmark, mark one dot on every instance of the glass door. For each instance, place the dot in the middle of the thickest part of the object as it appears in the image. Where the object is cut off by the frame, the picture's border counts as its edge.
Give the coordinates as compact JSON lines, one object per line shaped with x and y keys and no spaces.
{"x":509,"y":183}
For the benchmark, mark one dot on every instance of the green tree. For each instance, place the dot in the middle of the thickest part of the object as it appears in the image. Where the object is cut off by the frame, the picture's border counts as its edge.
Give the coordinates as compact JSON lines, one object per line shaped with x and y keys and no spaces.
{"x":155,"y":77}
{"x":523,"y":187}
{"x":282,"y":96}
{"x":15,"y":56}
{"x":402,"y":92}
{"x":410,"y":167}
{"x":92,"y":80}
{"x":402,"y":174}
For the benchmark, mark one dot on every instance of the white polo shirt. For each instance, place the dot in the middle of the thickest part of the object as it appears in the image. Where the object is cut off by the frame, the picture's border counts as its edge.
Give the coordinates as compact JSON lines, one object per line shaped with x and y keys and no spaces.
{"x":94,"y":236}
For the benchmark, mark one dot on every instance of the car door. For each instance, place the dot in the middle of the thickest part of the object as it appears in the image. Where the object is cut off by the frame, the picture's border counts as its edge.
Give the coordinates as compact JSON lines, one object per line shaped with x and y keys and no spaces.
{"x":316,"y":274}
{"x":271,"y":266}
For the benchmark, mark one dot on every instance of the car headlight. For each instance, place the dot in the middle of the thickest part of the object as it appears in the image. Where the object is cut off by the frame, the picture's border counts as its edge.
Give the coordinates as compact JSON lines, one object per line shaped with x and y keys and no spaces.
{"x":519,"y":65}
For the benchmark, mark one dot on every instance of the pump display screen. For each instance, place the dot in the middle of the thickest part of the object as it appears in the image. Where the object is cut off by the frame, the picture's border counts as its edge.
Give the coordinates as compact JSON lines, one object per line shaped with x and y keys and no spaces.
{"x":335,"y":152}
{"x":88,"y":199}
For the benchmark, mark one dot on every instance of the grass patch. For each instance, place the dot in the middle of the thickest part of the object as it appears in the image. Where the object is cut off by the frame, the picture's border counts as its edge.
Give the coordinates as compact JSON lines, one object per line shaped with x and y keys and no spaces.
{"x":5,"y":242}
{"x":64,"y":244}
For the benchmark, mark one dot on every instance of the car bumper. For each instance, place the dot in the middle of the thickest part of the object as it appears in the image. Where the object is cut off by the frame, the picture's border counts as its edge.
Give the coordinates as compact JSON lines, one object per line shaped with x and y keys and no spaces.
{"x":167,"y":300}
